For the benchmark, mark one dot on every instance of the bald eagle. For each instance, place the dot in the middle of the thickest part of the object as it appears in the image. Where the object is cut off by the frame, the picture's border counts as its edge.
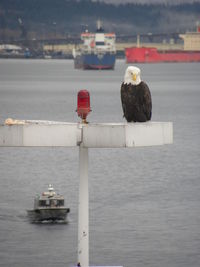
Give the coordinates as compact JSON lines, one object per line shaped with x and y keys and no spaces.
{"x":135,"y":97}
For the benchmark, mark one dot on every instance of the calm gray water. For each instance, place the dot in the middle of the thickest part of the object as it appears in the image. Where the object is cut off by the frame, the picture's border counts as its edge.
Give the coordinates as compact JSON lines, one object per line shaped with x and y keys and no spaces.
{"x":144,"y":203}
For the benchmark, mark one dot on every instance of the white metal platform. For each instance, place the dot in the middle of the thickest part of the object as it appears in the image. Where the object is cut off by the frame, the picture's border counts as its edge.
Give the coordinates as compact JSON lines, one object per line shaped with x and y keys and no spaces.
{"x":92,"y":135}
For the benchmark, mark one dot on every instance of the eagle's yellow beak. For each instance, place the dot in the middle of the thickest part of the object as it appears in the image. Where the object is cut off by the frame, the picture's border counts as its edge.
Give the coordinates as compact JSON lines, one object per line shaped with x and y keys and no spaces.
{"x":134,"y":77}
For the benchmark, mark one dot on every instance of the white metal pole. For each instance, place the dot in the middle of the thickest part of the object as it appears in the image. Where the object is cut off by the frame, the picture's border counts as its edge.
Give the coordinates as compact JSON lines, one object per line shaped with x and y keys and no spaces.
{"x":83,"y":214}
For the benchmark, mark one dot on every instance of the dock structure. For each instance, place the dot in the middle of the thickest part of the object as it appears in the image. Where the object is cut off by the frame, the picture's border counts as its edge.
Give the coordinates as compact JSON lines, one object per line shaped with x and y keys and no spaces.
{"x":27,"y":133}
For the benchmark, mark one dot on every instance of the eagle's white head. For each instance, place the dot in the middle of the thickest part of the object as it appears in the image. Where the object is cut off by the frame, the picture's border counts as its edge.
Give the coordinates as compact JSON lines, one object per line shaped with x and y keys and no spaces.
{"x":132,"y":75}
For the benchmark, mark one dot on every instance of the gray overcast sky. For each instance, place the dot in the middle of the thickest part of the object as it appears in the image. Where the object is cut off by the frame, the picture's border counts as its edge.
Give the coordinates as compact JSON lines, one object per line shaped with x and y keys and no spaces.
{"x":148,"y":1}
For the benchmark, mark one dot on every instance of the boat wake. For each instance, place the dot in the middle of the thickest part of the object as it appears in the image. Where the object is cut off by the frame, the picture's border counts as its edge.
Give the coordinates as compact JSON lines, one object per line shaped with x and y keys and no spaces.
{"x":49,"y":221}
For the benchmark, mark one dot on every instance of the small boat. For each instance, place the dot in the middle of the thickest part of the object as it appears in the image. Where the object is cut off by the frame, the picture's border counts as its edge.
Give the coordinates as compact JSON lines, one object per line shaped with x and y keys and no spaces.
{"x":48,"y":207}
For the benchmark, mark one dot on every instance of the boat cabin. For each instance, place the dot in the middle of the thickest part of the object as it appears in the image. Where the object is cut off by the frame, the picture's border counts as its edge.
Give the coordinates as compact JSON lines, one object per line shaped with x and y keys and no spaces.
{"x":49,"y":199}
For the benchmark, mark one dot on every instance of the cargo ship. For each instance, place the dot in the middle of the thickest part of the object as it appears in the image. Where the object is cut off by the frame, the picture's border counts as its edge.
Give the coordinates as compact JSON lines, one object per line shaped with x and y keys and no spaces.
{"x":97,"y":51}
{"x":190,"y":52}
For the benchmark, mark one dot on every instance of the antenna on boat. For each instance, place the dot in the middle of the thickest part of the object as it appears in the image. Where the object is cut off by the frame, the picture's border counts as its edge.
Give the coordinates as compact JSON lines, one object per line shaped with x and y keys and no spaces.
{"x":50,"y":187}
{"x":198,"y":25}
{"x":98,"y":24}
{"x":138,"y":40}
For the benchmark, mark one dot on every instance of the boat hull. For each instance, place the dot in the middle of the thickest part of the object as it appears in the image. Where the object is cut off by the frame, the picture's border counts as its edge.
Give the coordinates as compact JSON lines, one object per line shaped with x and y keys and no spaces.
{"x":152,"y":55}
{"x":48,"y":214}
{"x":94,"y":61}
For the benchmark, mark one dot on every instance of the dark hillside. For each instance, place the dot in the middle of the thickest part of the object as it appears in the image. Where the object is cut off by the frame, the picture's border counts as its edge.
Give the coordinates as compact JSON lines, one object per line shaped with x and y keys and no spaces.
{"x":51,"y":17}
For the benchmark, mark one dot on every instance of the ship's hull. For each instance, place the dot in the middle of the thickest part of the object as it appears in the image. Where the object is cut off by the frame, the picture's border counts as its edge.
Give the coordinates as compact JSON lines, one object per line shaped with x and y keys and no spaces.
{"x":48,"y":214}
{"x":94,"y":61}
{"x":152,"y":55}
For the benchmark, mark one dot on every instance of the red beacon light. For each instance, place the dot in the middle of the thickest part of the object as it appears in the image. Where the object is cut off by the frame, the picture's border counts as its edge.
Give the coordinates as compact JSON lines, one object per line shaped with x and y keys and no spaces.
{"x":83,"y":104}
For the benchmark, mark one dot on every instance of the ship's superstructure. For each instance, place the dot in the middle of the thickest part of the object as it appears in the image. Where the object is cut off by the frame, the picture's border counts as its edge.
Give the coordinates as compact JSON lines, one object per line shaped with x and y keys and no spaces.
{"x":191,"y":40}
